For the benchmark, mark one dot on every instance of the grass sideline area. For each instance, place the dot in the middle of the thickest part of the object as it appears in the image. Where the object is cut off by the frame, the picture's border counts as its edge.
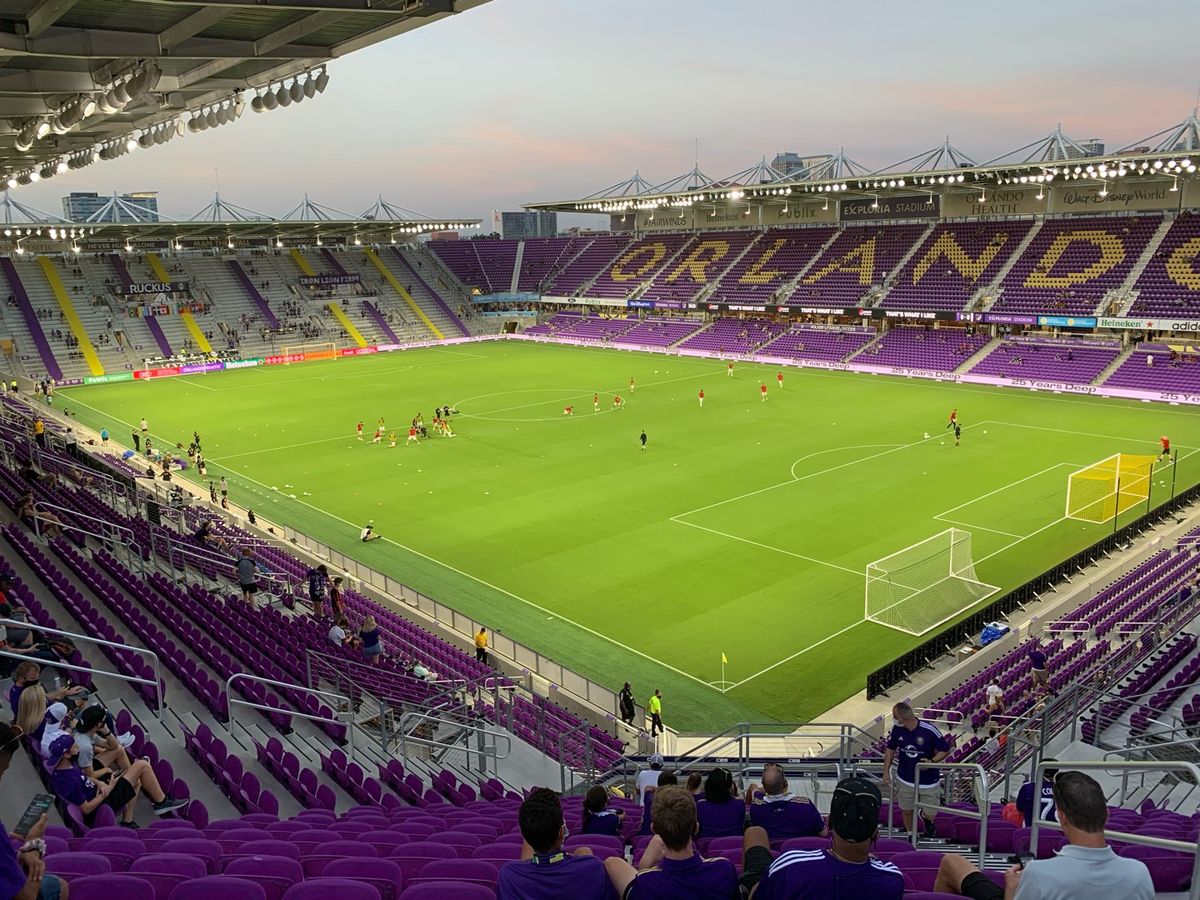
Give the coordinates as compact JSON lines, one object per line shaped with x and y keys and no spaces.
{"x":743,"y":529}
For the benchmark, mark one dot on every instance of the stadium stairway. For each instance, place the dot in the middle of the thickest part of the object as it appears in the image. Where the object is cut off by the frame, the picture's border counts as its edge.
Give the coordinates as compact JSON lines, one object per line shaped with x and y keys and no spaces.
{"x":426,"y":296}
{"x":151,"y":322}
{"x":393,"y":282}
{"x":47,"y":363}
{"x":83,"y":341}
{"x":978,"y":355}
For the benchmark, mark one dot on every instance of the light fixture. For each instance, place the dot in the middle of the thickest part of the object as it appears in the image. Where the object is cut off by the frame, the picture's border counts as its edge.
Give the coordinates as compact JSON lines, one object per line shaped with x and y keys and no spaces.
{"x":1175,"y":186}
{"x":1104,"y":189}
{"x":131,"y":144}
{"x":322,"y":80}
{"x":43,"y":129}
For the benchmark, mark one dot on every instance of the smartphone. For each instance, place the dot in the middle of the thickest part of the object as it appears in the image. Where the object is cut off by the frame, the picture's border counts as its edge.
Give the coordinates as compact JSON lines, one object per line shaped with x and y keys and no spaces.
{"x":37,"y":808}
{"x":1019,"y":859}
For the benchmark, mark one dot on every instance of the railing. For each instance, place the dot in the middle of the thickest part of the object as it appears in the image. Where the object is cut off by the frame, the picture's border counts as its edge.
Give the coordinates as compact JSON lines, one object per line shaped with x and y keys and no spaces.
{"x":160,"y":704}
{"x":115,"y":537}
{"x":232,"y":702}
{"x":483,"y":752}
{"x":1125,"y":837}
{"x":981,"y":793}
{"x":1145,"y":749}
{"x":564,"y":684}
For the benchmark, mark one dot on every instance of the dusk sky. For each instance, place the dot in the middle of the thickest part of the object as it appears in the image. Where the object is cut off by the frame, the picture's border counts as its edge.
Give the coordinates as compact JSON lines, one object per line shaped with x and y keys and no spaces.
{"x":524,"y":100}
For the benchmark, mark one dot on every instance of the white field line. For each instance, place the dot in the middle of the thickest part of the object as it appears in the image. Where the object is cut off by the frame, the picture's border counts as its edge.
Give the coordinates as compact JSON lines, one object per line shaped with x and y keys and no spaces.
{"x":487,"y":414}
{"x":795,"y":655}
{"x":1003,"y":487}
{"x":194,"y":381}
{"x":1110,"y":437}
{"x":734,"y":537}
{"x":794,"y":479}
{"x":975,"y":527}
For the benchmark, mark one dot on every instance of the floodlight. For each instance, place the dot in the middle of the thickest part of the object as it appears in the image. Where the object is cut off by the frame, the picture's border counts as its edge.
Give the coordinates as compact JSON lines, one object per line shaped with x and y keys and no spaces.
{"x":35,"y":176}
{"x":282,"y":95}
{"x":43,"y":129}
{"x":296,"y":92}
{"x":89,"y":106}
{"x":62,"y":166}
{"x":322,"y":80}
{"x":131,"y":145}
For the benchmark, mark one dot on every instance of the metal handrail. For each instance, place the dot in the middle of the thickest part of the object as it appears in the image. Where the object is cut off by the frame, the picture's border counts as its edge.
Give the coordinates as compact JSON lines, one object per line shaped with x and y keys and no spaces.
{"x":75,"y":637}
{"x":980,"y":815}
{"x":231,"y":702}
{"x":484,"y":752}
{"x":1145,"y":840}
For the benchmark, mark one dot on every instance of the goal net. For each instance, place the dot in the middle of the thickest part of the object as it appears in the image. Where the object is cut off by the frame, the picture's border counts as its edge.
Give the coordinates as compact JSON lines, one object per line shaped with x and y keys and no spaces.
{"x":1102,"y":491}
{"x":918,"y":588}
{"x":306,"y":352}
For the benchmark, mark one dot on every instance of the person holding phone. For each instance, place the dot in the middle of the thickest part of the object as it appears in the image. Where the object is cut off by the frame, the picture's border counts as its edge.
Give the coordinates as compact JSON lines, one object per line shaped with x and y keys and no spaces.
{"x":22,"y":870}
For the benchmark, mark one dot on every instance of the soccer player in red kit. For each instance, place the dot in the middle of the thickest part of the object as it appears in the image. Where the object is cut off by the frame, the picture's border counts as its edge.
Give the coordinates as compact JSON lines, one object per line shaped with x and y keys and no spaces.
{"x":632,"y":386}
{"x":568,"y":410}
{"x":617,"y":401}
{"x":702,"y":398}
{"x":779,"y":379}
{"x":762,"y":388}
{"x":729,"y":370}
{"x":359,"y":430}
{"x":595,"y":403}
{"x":1166,"y":445}
{"x":953,"y":419}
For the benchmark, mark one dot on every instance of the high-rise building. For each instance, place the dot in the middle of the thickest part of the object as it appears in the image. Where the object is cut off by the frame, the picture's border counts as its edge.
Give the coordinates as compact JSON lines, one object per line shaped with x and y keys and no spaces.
{"x":520,"y":225}
{"x":791,"y":163}
{"x":88,"y":206}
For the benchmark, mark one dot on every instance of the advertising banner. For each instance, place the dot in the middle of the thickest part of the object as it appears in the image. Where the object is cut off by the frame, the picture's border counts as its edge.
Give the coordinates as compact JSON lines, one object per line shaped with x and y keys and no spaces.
{"x":145,"y":374}
{"x":1004,"y":201}
{"x":243,"y":363}
{"x":329,"y":280}
{"x":150,"y":287}
{"x":913,"y":206}
{"x":1009,"y":319}
{"x":198,"y":368}
{"x":280,"y":360}
{"x":1183,"y":325}
{"x":1119,"y":196}
{"x":800,"y":212}
{"x":108,"y":379}
{"x":1067,"y":321}
{"x":665,"y":220}
{"x":354,"y":351}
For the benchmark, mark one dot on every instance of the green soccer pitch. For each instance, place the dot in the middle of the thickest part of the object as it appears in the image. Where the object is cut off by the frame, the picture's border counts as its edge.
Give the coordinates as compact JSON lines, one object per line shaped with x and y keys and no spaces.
{"x":744,"y":528}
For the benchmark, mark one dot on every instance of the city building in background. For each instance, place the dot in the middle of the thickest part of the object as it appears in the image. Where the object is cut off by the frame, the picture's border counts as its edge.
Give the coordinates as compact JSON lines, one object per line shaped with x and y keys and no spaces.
{"x":521,"y":225}
{"x":88,"y":206}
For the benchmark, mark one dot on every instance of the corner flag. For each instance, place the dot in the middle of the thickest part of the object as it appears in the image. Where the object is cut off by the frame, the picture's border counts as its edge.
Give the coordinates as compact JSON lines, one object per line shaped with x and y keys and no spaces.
{"x":724,"y":661}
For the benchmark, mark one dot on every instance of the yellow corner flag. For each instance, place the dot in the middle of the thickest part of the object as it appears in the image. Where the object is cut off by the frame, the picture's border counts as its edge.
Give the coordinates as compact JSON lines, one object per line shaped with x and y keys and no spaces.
{"x":724,"y":661}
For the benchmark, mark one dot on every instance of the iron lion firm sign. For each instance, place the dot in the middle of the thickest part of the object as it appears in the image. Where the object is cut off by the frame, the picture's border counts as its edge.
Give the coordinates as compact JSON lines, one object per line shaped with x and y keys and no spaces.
{"x":911,"y":206}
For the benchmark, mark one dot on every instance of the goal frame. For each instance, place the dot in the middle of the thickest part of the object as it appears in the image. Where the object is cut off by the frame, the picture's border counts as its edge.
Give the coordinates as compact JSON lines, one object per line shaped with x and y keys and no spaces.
{"x":1125,"y":493}
{"x":963,"y":571}
{"x":318,"y":349}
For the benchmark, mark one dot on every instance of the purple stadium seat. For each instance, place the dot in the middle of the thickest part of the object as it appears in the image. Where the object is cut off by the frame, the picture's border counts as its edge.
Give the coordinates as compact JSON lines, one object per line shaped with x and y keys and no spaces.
{"x":224,"y":886}
{"x":1170,"y":872}
{"x":106,"y":887}
{"x":120,"y":851}
{"x":496,"y":851}
{"x":275,"y":873}
{"x":78,"y":864}
{"x":475,"y":871}
{"x":325,"y":888}
{"x":412,"y":857}
{"x":447,"y":890}
{"x":315,"y":860}
{"x":383,"y":874}
{"x":919,"y":866}
{"x":209,"y":851}
{"x":384,"y":841}
{"x":264,"y":847}
{"x":165,"y":871}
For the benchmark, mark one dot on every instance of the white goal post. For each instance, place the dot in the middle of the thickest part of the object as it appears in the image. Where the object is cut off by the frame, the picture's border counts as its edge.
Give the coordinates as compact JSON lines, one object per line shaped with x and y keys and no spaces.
{"x":318,"y":350}
{"x":916,"y":589}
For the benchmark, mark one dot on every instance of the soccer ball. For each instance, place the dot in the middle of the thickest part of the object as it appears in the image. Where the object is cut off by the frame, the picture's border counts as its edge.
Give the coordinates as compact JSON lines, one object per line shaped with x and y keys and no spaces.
{"x":985,"y":431}
{"x":926,"y":436}
{"x":943,"y":443}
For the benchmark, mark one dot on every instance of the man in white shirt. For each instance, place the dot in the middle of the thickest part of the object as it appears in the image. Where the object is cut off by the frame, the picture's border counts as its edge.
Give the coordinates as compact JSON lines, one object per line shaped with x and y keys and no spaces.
{"x":368,"y":533}
{"x":337,"y":634}
{"x":649,"y":777}
{"x":1085,"y":869}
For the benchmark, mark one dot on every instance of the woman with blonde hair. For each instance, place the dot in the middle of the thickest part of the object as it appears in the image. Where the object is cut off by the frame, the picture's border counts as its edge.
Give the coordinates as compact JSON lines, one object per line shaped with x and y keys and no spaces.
{"x":372,"y":645}
{"x":31,"y":712}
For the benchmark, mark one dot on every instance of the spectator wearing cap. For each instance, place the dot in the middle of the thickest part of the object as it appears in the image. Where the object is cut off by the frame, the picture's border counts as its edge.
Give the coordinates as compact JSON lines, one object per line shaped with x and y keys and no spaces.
{"x":625,"y":701}
{"x":545,"y":871}
{"x":781,"y":814}
{"x":721,"y":811}
{"x":598,"y":816}
{"x":1085,"y":869}
{"x":845,"y":870}
{"x":671,"y":867}
{"x":57,"y":723}
{"x":649,"y":777}
{"x":72,"y":785}
{"x":22,"y":871}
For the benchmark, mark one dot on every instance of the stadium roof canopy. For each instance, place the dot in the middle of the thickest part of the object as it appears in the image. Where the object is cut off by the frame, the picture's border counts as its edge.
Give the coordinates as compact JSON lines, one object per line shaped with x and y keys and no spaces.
{"x":220,"y":223}
{"x":1173,"y":152}
{"x":87,"y":80}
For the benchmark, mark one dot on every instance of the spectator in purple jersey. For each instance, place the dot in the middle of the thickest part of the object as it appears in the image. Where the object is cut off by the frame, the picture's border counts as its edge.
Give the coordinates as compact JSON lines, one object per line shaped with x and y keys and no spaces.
{"x":1037,"y":665}
{"x":671,"y":867}
{"x":545,"y":871}
{"x":913,"y":741}
{"x":1044,"y":804}
{"x":847,"y":870}
{"x":781,"y":814}
{"x":721,"y":810}
{"x":73,"y":786}
{"x":666,"y":778}
{"x":598,"y":816}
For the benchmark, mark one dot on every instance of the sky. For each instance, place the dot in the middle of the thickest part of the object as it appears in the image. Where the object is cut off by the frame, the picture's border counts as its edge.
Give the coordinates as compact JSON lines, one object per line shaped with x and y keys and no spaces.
{"x":526,"y":100}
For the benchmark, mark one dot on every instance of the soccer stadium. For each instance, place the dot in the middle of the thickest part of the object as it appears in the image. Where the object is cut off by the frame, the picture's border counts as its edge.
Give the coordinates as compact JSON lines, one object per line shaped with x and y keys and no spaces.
{"x":713,"y":537}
